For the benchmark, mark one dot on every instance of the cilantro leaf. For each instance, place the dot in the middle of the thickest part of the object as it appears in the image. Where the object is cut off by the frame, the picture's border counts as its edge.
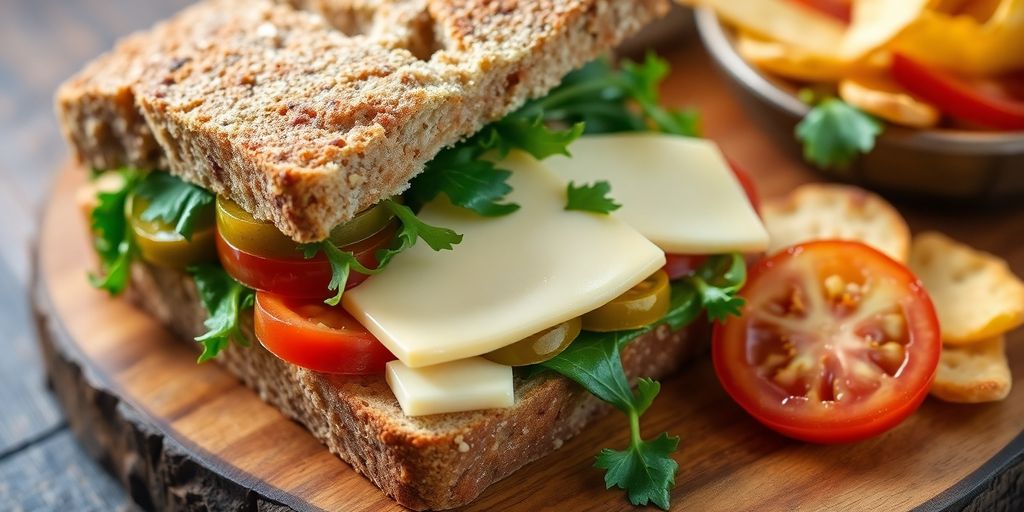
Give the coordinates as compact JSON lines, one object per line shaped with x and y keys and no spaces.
{"x":591,"y":198}
{"x":592,"y":360}
{"x":174,"y":202}
{"x":111,"y":239}
{"x":468,"y":175}
{"x":437,"y":238}
{"x":834,"y":133}
{"x":529,"y":134}
{"x":413,"y":229}
{"x":224,"y":300}
{"x":467,"y":179}
{"x":610,"y":100}
{"x":646,"y":470}
{"x":717,"y":282}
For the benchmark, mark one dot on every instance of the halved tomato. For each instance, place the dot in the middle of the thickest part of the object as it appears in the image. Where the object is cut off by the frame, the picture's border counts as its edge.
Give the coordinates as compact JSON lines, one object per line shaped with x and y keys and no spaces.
{"x":837,"y":342}
{"x":297,"y":276}
{"x":309,"y":334}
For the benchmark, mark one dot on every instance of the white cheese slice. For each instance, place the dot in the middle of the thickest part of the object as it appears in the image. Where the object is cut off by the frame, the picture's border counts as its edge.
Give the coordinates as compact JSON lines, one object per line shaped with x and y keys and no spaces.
{"x":450,"y":387}
{"x":678,"y":192}
{"x":511,"y":276}
{"x":463,"y":385}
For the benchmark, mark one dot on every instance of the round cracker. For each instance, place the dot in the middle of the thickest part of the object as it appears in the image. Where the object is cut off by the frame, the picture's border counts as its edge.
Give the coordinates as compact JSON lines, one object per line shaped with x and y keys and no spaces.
{"x":820,"y":211}
{"x":976,"y":294}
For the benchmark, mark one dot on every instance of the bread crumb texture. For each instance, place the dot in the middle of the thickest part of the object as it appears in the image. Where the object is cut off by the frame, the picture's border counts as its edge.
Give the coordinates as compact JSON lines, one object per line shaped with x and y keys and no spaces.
{"x":306,"y":111}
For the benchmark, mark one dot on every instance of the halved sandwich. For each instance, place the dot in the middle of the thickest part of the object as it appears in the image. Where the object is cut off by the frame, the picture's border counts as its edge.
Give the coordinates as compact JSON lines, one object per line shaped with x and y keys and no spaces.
{"x":381,"y":217}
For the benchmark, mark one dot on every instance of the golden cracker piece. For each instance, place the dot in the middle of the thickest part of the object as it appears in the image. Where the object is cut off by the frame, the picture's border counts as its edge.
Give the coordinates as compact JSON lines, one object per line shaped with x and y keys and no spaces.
{"x":975,"y":293}
{"x":819,"y":211}
{"x":973,"y":373}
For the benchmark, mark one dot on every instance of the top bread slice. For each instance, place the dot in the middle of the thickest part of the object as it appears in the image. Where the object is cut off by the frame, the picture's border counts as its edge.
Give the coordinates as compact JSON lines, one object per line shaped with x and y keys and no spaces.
{"x":307,"y":111}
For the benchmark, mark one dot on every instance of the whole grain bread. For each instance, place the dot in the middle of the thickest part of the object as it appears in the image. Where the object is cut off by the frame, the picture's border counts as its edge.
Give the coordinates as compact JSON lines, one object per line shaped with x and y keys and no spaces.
{"x":307,"y":111}
{"x":428,"y":462}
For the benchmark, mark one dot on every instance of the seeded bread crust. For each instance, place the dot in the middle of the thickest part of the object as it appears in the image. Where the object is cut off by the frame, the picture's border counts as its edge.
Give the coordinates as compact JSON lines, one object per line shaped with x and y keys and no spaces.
{"x":306,"y":116}
{"x":428,"y":462}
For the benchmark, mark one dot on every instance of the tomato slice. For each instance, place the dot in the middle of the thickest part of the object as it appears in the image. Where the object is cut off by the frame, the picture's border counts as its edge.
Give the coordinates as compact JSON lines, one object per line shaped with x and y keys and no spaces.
{"x":837,"y":342}
{"x":162,"y":246}
{"x":297,"y":277}
{"x":959,"y":98}
{"x":321,"y":338}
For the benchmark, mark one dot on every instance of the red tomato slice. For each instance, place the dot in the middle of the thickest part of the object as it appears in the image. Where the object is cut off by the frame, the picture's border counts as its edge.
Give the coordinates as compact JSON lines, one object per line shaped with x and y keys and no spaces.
{"x":838,"y":9}
{"x":297,"y":277}
{"x":837,"y":343}
{"x":682,"y":265}
{"x":322,"y":338}
{"x":958,"y":97}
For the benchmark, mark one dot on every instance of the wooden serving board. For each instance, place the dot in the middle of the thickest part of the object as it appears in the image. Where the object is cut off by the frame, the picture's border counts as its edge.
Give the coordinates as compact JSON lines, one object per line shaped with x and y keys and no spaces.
{"x":190,"y":436}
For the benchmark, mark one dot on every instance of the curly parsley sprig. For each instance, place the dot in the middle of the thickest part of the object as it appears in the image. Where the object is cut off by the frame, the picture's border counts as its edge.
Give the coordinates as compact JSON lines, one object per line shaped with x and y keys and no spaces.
{"x":646,"y":469}
{"x":411,"y":230}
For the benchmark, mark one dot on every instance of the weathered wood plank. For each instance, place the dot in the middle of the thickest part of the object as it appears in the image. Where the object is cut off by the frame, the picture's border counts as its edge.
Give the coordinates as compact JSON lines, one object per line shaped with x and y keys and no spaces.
{"x":41,"y":43}
{"x":56,"y":474}
{"x":28,"y":408}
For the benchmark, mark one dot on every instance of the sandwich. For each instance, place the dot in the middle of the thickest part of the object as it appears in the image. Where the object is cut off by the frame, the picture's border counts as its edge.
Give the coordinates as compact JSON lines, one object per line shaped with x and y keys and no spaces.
{"x":443,"y":235}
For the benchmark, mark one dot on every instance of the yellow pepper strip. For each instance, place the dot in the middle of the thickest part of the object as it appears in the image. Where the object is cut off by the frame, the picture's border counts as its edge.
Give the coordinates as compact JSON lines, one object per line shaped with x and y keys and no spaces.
{"x":965,"y":45}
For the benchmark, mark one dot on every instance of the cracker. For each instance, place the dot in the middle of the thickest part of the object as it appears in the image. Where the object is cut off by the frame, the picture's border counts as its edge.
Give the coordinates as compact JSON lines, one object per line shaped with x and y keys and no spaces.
{"x":820,"y":211}
{"x":974,"y":373}
{"x":976,"y":294}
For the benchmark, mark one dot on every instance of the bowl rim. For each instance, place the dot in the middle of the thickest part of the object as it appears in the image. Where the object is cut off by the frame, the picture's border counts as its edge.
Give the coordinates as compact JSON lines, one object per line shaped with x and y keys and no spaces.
{"x":721,"y":47}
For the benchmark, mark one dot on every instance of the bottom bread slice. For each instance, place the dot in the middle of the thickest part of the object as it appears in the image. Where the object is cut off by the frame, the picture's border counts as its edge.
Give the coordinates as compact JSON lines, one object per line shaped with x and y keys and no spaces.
{"x":428,"y":462}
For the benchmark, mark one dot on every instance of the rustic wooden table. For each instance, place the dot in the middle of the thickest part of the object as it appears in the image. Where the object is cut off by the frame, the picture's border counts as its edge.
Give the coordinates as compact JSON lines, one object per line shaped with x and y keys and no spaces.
{"x":41,"y":43}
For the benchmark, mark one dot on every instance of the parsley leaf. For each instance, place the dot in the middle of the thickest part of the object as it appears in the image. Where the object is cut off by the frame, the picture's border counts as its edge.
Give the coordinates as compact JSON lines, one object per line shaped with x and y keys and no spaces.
{"x":615,"y":100}
{"x":529,"y":134}
{"x":834,"y":133}
{"x":645,"y":469}
{"x":224,"y":300}
{"x":413,"y":229}
{"x":717,"y":281}
{"x":591,"y":198}
{"x":468,"y":175}
{"x":174,"y":202}
{"x":111,"y":239}
{"x":467,"y":179}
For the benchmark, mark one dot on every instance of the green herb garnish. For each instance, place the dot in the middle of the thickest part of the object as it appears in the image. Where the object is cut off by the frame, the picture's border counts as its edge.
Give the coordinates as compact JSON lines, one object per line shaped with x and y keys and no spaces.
{"x":224,"y":299}
{"x":833,"y":133}
{"x":411,"y":230}
{"x":591,"y":198}
{"x":111,"y":238}
{"x":645,"y":469}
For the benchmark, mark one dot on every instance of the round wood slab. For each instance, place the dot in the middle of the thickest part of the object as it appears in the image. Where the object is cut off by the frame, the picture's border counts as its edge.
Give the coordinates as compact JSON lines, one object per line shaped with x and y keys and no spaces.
{"x":184,"y":435}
